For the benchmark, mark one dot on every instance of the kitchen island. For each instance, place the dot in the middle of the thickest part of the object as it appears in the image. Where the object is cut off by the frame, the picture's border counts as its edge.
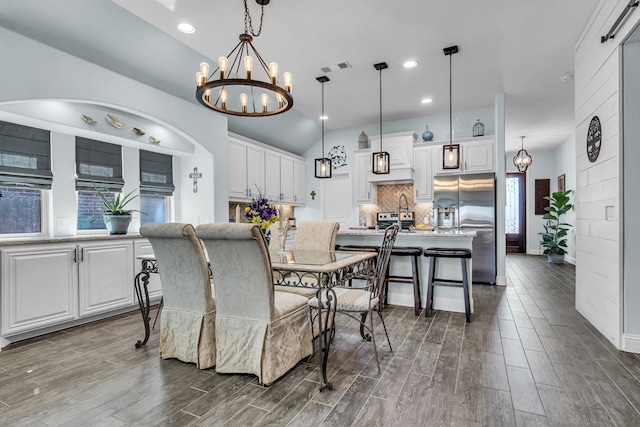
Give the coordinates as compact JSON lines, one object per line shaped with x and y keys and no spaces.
{"x":448,"y":299}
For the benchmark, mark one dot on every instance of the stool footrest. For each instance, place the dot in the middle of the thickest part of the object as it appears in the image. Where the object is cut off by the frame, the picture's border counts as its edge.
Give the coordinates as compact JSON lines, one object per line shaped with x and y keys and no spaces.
{"x":447,"y":282}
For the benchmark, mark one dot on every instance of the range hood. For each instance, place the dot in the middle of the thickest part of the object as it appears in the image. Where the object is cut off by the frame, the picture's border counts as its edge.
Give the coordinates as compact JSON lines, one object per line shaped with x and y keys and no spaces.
{"x":400,"y":149}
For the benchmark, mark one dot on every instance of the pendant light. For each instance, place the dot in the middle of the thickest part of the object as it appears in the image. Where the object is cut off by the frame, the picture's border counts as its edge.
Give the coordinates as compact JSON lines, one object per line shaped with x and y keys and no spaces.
{"x":323,"y":164}
{"x":522,"y":160}
{"x":451,"y":152}
{"x":380,"y":159}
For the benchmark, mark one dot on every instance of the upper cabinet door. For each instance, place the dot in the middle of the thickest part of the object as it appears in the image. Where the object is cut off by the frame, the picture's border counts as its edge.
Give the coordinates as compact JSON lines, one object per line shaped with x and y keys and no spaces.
{"x":478,"y":156}
{"x":238,"y":170}
{"x":299,"y":185}
{"x":366,"y":192}
{"x":286,"y":179}
{"x":255,"y":170}
{"x":272,"y":177}
{"x":423,"y":164}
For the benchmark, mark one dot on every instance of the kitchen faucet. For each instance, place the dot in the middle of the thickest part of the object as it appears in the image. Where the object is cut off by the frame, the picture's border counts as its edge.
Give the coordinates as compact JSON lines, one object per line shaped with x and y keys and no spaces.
{"x":406,"y":203}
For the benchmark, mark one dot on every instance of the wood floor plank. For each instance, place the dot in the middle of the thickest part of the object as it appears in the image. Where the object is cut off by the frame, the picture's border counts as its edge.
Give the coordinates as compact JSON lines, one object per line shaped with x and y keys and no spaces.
{"x":494,"y":373}
{"x":525,"y":419}
{"x":349,"y":407}
{"x":524,"y":393}
{"x":529,"y":339}
{"x":514,"y":353}
{"x":542,"y":369}
{"x":497,"y":409}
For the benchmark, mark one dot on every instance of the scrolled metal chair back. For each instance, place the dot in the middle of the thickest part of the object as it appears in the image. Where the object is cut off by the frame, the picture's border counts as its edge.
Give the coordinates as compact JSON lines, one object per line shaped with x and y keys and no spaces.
{"x":383,"y":259}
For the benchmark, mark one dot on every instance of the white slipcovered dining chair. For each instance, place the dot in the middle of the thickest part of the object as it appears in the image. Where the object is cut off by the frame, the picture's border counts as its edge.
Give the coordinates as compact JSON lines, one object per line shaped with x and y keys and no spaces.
{"x":259,"y":331}
{"x":364,"y":300}
{"x":187,"y":322}
{"x":316,"y":236}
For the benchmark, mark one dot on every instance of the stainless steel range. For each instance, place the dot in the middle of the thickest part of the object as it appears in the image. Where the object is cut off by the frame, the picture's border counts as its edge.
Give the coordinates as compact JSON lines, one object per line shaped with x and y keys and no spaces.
{"x":385,"y":219}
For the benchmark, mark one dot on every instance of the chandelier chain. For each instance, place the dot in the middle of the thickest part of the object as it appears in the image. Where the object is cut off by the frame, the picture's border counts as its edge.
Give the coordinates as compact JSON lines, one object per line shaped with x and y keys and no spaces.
{"x":248,"y":23}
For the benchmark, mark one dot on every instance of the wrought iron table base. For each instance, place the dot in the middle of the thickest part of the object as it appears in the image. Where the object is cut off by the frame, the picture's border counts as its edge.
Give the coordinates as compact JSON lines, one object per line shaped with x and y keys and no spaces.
{"x":140,"y":284}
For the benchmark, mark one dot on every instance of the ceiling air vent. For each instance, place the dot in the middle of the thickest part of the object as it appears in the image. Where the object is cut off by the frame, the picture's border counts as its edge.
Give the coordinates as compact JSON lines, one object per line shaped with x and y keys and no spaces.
{"x":336,"y":67}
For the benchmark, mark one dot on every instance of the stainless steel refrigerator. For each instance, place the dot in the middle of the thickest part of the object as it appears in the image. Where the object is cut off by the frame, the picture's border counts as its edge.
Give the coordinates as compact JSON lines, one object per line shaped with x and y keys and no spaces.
{"x":468,"y":202}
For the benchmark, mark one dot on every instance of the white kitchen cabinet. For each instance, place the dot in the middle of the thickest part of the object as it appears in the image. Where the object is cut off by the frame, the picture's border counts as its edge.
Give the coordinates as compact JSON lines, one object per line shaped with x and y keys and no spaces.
{"x":366,"y":192}
{"x":272,"y":177}
{"x":476,"y":156}
{"x":423,"y":183}
{"x":39,"y":287}
{"x":105,"y":272}
{"x":286,"y":179}
{"x":299,"y":187}
{"x":237,"y":170}
{"x":246,"y":170}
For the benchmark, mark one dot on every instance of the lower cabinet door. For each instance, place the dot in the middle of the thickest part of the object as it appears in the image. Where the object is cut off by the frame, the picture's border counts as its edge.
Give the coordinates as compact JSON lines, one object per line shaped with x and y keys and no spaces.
{"x":39,"y":287}
{"x":105,"y":276}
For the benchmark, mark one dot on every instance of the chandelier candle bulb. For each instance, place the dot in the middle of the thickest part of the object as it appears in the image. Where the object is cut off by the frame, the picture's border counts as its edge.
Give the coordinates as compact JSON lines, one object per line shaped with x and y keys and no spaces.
{"x":222,"y":65}
{"x":223,"y":98}
{"x":280,"y":100}
{"x":204,"y":69}
{"x":265,"y":99}
{"x":243,"y":102}
{"x":273,"y":72}
{"x":200,"y":79}
{"x":287,"y":81}
{"x":248,"y":65}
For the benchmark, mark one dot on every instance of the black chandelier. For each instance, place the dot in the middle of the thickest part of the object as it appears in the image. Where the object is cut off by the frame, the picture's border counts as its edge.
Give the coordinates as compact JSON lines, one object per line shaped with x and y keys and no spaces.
{"x":522,"y":160}
{"x":323,"y":164}
{"x":238,"y":94}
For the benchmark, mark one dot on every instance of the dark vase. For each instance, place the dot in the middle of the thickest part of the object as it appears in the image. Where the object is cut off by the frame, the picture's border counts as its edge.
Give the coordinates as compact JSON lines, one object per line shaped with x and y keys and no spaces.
{"x":427,"y":135}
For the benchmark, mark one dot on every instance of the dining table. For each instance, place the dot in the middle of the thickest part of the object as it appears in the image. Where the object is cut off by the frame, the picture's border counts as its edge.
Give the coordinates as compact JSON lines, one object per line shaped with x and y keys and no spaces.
{"x":319,"y":270}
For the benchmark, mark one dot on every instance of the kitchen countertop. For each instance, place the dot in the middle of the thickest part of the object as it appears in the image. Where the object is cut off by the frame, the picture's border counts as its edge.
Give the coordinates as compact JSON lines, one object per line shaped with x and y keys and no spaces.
{"x":412,"y":233}
{"x":62,"y":239}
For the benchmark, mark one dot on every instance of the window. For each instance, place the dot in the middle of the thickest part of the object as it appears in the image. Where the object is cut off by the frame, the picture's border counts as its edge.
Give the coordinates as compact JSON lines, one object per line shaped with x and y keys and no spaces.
{"x":25,"y":170}
{"x":97,"y":163}
{"x":156,"y":186}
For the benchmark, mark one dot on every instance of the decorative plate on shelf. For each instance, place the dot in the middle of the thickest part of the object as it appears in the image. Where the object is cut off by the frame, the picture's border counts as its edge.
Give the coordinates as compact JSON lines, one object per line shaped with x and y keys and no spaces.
{"x":154,"y":140}
{"x":138,"y":131}
{"x":114,"y":121}
{"x":88,"y":120}
{"x":338,"y":156}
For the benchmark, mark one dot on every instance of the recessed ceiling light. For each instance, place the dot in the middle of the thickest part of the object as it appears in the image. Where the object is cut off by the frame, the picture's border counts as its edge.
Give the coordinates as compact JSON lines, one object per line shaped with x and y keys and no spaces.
{"x":412,"y":63}
{"x":324,"y":117}
{"x":427,"y":101}
{"x":186,"y":28}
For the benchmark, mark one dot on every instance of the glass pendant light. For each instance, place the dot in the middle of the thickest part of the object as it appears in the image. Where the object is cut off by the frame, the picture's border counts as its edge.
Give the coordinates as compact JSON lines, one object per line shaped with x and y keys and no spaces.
{"x":450,"y":152}
{"x":323,"y":164}
{"x":522,"y":160}
{"x":380,"y":159}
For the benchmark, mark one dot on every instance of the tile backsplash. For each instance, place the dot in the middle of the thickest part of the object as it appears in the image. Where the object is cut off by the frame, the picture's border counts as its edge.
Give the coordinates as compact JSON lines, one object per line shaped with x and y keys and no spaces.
{"x":388,"y":202}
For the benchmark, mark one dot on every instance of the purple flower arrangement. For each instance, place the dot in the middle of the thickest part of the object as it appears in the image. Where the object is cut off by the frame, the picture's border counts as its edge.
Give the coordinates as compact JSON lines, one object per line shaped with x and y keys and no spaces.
{"x":261,"y":212}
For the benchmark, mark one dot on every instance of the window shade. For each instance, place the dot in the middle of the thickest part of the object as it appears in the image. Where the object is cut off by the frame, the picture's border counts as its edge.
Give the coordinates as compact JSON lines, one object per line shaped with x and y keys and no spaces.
{"x":156,"y":173}
{"x":25,"y":156}
{"x":100,"y":163}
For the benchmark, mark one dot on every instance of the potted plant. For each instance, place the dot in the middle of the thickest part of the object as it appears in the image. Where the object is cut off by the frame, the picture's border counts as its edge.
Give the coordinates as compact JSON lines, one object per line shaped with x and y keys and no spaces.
{"x":554,"y":237}
{"x":115,"y":214}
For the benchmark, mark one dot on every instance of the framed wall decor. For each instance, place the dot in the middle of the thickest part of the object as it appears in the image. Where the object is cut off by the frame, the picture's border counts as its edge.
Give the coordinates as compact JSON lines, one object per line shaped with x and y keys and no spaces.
{"x":542,"y":187}
{"x":561,"y":187}
{"x":594,"y":139}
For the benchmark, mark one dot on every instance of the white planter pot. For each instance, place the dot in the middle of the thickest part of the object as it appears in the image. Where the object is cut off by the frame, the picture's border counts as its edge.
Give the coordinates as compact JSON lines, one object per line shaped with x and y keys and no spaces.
{"x":117,"y":224}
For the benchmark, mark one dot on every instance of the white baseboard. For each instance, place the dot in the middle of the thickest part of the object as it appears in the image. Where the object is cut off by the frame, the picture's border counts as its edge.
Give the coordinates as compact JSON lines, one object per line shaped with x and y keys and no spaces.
{"x":631,"y":343}
{"x":534,"y":252}
{"x":445,"y":304}
{"x":570,"y":259}
{"x":501,"y":281}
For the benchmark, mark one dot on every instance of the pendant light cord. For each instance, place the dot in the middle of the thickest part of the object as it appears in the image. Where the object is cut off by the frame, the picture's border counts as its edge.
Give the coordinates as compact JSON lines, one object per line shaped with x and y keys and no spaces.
{"x":450,"y":108}
{"x":322,"y":120}
{"x":380,"y":109}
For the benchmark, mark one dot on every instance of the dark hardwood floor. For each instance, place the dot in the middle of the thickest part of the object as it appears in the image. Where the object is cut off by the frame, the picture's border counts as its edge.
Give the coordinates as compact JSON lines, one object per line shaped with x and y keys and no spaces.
{"x":527,"y":358}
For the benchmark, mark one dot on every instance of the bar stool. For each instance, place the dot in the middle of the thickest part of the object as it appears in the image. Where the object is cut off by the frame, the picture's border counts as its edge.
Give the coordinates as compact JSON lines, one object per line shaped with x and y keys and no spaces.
{"x":414,"y":253}
{"x":463,"y":255}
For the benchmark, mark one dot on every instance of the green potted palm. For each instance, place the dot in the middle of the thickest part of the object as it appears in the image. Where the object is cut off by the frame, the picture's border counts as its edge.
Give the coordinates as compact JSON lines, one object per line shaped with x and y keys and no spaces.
{"x":115,"y":214}
{"x":554,"y":237}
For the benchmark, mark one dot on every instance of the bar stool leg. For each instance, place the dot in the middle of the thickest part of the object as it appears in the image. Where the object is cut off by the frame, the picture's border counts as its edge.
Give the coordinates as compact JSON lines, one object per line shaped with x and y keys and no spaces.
{"x":465,"y":289}
{"x":432,"y":270}
{"x":416,"y":285}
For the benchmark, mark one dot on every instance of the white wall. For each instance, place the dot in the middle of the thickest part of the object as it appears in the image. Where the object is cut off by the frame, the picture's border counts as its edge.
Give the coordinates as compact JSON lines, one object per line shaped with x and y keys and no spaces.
{"x":598,"y":261}
{"x":34,"y":71}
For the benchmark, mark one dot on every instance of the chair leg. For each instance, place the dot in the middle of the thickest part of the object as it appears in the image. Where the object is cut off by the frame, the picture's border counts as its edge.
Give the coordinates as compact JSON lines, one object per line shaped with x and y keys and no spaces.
{"x":385,"y":330}
{"x":373,"y":340}
{"x":432,"y":271}
{"x":465,"y":290}
{"x":362,"y":323}
{"x":416,"y":285}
